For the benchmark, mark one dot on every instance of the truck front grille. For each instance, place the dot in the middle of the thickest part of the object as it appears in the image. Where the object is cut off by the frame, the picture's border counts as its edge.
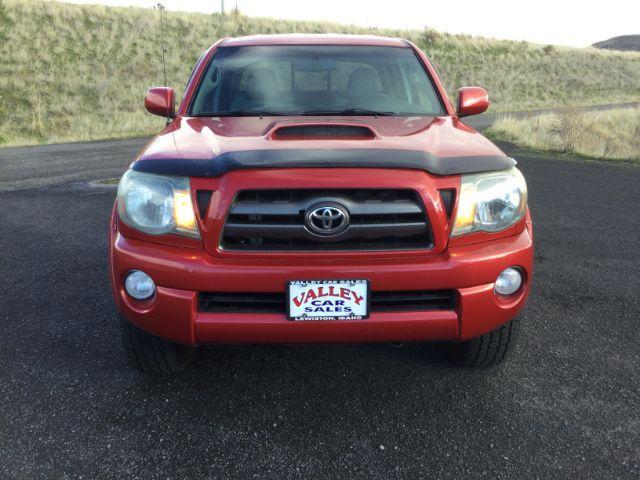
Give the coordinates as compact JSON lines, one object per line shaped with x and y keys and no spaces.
{"x":269,"y":302}
{"x":274,"y":220}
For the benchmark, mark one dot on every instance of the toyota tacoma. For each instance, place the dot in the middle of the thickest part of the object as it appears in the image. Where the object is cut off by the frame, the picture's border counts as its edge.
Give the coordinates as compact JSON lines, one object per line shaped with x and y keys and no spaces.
{"x":318,"y":189}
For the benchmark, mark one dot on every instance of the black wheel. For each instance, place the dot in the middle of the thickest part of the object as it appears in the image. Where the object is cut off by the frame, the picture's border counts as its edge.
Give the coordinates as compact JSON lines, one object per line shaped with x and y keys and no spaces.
{"x":151,"y":354}
{"x":487,"y":350}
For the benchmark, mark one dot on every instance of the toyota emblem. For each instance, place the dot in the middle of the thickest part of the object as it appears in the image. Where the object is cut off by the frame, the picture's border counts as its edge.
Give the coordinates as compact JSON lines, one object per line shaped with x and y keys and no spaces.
{"x":327,"y":219}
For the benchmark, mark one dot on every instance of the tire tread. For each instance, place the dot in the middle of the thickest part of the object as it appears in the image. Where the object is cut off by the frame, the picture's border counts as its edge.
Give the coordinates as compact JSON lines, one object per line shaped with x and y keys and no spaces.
{"x":151,"y":354}
{"x":487,"y":350}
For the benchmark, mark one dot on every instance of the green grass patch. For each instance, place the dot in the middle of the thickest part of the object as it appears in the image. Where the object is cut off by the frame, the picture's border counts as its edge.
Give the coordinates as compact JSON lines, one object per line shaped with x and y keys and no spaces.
{"x":80,"y":72}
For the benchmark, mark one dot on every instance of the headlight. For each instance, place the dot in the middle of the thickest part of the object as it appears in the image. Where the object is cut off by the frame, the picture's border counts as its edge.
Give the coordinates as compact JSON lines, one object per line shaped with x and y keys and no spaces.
{"x":157,"y":204}
{"x":490,"y":202}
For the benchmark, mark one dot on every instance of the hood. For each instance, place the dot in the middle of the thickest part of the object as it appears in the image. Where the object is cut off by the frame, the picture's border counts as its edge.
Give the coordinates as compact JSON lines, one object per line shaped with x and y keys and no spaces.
{"x":203,"y":139}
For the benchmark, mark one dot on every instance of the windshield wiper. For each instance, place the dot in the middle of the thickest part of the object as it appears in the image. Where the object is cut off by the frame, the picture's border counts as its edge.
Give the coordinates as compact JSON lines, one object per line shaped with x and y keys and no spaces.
{"x":349,"y":111}
{"x":243,"y":112}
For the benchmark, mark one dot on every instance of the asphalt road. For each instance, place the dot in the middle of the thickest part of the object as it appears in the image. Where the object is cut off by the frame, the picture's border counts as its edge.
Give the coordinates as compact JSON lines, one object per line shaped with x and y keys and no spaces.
{"x":566,"y":405}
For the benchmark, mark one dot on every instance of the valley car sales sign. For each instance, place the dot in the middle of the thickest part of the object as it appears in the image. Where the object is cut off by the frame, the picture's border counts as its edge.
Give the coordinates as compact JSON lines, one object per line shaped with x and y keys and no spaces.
{"x":328,"y":299}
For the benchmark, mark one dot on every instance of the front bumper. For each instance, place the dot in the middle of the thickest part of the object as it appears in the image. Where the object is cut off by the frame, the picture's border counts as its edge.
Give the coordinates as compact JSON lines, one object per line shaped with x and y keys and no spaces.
{"x":181,"y":273}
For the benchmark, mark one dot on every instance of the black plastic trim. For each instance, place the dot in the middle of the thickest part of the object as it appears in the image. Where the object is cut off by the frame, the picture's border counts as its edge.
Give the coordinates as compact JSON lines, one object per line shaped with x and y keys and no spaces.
{"x":448,"y":197}
{"x":203,"y":197}
{"x":323,"y":130}
{"x":381,"y":219}
{"x":330,"y":158}
{"x":276,"y":302}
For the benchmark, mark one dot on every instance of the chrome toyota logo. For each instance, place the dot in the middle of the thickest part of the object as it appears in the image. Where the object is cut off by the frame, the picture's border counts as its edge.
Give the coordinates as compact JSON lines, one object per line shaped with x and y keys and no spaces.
{"x":327,"y":219}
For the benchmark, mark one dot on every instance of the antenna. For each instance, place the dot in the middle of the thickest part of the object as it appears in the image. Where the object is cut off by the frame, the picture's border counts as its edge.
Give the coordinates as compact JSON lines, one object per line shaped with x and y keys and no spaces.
{"x":164,"y":68}
{"x":164,"y":65}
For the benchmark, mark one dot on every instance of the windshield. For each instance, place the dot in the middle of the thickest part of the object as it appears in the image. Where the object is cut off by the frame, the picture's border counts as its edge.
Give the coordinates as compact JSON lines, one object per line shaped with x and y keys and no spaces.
{"x":315,"y":80}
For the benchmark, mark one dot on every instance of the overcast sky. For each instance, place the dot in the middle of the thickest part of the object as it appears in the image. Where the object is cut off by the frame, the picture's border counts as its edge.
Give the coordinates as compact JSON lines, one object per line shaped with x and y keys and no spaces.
{"x":563,"y":22}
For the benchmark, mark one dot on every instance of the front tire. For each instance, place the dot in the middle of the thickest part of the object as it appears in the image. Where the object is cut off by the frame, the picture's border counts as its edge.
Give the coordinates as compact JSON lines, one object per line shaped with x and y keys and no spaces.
{"x":488,"y":350}
{"x":151,"y":354}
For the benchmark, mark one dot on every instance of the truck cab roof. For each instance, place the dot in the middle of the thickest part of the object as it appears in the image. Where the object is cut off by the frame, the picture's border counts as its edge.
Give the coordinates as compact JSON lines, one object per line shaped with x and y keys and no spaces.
{"x":314,"y":39}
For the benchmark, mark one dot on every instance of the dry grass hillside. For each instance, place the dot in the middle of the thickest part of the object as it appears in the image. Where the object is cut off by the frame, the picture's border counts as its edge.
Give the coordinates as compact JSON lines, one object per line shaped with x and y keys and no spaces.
{"x":71,"y":72}
{"x":612,"y":134}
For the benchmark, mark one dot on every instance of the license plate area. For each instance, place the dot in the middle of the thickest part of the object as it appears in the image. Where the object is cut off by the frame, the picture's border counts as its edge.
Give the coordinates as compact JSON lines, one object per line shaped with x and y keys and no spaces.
{"x":326,"y":300}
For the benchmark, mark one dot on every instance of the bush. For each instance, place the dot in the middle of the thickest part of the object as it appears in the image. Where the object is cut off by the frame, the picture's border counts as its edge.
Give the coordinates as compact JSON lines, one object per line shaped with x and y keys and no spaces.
{"x":568,"y":129}
{"x":430,"y":36}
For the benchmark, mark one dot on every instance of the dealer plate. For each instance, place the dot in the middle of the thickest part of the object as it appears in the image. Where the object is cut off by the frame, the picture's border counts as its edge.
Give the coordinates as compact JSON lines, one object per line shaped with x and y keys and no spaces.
{"x":328,"y":300}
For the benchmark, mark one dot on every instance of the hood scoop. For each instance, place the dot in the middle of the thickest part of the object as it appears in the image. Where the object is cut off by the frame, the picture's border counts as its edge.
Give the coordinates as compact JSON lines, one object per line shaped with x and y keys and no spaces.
{"x":324,"y":131}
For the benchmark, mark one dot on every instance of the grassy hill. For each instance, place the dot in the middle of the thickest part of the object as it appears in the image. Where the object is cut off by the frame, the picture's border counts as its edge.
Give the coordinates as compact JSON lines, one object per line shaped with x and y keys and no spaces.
{"x":71,"y":72}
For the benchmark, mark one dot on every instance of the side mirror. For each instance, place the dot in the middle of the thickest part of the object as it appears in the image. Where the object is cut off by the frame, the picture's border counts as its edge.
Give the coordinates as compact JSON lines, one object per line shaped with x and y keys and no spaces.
{"x":160,"y":101}
{"x":472,"y":101}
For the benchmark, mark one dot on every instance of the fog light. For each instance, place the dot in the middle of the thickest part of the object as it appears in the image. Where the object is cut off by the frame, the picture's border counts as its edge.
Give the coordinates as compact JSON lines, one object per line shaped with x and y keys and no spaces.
{"x":509,"y":281}
{"x":139,"y":285}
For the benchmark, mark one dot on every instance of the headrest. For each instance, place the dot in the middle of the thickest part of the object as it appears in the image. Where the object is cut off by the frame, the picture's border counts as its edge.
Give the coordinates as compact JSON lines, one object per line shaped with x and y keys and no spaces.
{"x":261,"y":84}
{"x":363,"y":81}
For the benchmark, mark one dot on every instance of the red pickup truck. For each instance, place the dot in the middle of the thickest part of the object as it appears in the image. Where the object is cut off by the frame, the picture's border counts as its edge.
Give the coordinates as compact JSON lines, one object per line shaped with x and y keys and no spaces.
{"x":318,"y":188}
